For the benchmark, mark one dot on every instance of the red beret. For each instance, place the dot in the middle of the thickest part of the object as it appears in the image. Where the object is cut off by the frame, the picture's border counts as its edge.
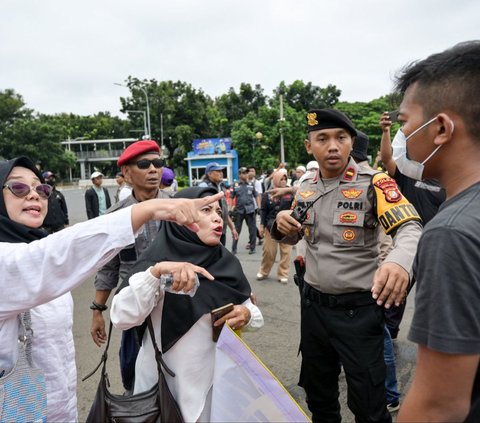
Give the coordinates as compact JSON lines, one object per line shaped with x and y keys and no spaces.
{"x":136,"y":149}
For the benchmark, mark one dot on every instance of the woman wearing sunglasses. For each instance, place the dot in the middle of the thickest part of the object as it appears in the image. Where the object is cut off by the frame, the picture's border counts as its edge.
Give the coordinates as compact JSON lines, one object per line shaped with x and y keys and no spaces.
{"x":38,"y":272}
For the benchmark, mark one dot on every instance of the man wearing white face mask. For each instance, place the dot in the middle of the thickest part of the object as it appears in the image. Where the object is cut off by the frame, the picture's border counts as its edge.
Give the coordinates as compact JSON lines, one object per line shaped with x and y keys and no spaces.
{"x":440,"y":115}
{"x":426,"y":195}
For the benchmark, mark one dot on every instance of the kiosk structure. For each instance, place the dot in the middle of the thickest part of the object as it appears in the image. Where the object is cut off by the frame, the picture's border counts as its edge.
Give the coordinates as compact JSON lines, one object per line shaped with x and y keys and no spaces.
{"x":211,"y":150}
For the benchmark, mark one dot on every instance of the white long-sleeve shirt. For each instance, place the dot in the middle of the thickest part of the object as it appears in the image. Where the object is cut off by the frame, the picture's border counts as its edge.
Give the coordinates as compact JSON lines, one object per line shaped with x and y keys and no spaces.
{"x":38,"y":277}
{"x":192,"y":358}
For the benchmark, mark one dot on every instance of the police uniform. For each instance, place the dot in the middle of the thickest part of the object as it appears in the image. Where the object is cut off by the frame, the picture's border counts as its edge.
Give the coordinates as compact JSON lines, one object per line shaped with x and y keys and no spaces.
{"x":245,"y":205}
{"x":341,"y":325}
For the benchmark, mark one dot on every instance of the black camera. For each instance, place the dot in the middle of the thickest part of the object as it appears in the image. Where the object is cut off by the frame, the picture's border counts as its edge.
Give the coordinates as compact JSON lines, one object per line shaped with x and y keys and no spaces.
{"x":299,"y":213}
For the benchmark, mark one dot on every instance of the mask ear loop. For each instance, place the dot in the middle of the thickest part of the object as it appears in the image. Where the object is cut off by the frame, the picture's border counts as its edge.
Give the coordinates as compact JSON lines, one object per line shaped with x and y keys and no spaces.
{"x":434,"y":151}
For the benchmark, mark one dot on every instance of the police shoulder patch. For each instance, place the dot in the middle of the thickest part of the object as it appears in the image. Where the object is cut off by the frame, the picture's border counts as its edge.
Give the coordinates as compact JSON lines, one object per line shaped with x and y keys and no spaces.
{"x":393,"y":209}
{"x":389,"y":187}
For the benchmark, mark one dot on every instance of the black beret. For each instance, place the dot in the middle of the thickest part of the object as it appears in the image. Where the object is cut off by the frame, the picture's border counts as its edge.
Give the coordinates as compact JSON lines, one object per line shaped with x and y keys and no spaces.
{"x":360,"y":147}
{"x":327,"y":119}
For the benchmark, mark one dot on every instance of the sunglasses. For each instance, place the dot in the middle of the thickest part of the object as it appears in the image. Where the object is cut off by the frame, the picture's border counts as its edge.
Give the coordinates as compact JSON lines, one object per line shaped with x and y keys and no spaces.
{"x":19,"y":189}
{"x":145,"y":163}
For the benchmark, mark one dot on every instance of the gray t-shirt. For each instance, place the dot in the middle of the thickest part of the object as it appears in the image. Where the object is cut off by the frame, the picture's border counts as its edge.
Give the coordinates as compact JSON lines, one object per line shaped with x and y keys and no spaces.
{"x":446,"y":268}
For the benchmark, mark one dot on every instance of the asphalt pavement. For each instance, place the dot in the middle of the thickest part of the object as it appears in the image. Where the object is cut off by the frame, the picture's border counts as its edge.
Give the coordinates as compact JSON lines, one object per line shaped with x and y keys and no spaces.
{"x":276,"y":344}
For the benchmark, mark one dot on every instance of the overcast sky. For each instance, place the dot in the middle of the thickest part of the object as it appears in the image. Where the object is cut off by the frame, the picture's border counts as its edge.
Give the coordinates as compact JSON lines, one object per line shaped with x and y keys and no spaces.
{"x":64,"y":55}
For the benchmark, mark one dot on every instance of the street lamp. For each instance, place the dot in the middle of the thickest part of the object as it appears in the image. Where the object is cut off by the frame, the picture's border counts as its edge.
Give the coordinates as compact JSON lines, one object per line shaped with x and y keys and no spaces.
{"x":148,"y":104}
{"x":258,"y":137}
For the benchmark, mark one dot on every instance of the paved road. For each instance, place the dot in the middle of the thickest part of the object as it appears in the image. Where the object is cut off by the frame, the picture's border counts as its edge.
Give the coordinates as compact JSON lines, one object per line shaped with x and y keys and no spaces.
{"x":276,"y":344}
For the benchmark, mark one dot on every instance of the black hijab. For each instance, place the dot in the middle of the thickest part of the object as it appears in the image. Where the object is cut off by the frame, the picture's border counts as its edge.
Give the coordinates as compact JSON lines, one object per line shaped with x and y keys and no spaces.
{"x":11,"y":231}
{"x":177,"y":243}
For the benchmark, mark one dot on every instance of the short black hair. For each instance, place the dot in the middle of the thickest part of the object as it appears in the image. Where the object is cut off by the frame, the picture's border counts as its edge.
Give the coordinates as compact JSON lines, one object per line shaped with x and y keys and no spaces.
{"x":449,"y":80}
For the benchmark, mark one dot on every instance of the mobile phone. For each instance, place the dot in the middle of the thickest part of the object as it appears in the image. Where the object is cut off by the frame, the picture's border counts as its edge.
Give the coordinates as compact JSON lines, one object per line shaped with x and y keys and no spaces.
{"x":217,"y":314}
{"x":393,"y":116}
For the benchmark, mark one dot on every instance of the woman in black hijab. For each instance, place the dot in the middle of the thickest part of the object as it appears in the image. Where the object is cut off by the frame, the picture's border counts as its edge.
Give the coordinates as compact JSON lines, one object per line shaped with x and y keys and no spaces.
{"x":23,"y":207}
{"x":182,"y":323}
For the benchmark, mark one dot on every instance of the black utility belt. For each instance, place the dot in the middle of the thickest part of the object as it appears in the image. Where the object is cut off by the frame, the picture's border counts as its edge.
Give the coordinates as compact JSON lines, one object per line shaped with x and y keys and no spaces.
{"x":350,"y":300}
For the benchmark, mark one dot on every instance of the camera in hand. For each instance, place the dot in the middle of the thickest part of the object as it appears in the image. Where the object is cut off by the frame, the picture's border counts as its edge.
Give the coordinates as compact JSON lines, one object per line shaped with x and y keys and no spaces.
{"x":299,"y":213}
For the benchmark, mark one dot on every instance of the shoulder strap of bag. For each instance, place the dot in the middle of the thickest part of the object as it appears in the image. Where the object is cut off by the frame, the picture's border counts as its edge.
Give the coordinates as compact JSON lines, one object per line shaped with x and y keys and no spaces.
{"x":103,"y":360}
{"x":26,"y":334}
{"x":158,"y":354}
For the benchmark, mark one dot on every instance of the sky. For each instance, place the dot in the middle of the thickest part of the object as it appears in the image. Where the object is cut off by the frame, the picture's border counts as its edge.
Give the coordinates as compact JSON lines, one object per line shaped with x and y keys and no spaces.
{"x":65,"y":56}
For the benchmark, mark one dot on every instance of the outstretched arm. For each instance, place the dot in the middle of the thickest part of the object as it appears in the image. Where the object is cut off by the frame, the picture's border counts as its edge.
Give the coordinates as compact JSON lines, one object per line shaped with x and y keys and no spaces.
{"x":386,"y":154}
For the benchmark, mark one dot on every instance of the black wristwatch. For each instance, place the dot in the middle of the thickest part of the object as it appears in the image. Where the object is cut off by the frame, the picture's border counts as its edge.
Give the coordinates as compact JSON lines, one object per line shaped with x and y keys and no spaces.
{"x":99,"y":307}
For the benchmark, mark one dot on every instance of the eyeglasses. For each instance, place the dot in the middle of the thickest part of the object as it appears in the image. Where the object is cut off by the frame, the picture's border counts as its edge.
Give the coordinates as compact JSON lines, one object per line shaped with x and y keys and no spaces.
{"x":145,"y":163}
{"x":19,"y":189}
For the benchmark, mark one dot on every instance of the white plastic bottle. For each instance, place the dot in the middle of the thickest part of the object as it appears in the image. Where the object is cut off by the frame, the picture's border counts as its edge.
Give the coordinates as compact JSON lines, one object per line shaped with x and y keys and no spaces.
{"x":166,"y":281}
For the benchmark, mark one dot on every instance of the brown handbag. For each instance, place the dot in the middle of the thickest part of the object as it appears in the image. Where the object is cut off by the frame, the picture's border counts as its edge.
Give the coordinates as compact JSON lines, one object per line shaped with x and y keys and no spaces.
{"x":156,"y":405}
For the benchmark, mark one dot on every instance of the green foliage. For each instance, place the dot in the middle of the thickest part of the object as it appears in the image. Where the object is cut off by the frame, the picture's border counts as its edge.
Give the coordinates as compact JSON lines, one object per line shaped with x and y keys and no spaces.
{"x":366,"y":117}
{"x":180,"y":113}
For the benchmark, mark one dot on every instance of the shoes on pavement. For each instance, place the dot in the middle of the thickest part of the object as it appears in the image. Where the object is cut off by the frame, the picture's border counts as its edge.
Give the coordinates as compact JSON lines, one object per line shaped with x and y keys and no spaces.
{"x":393,"y":406}
{"x":247,"y":247}
{"x":251,"y":251}
{"x":283,"y":280}
{"x":260,"y":276}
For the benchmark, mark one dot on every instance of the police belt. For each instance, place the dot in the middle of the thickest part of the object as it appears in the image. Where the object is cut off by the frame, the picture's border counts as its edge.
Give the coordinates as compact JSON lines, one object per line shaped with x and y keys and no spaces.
{"x":350,"y":300}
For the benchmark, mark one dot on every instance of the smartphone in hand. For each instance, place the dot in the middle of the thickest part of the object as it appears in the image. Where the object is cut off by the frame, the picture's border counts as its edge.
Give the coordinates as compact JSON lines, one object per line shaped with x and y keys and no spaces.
{"x":393,"y":116}
{"x":216,"y":314}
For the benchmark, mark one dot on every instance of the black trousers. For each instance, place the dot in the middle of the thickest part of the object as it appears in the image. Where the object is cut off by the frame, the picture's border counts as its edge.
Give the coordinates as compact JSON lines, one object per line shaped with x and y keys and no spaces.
{"x":252,"y":229}
{"x":343,"y":330}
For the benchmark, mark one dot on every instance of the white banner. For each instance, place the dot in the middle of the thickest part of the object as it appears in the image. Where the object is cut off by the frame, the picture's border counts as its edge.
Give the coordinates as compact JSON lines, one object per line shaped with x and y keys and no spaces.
{"x":244,"y":390}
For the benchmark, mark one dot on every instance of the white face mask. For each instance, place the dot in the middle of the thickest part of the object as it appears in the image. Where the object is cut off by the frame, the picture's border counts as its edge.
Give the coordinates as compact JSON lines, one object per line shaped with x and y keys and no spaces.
{"x":408,"y":167}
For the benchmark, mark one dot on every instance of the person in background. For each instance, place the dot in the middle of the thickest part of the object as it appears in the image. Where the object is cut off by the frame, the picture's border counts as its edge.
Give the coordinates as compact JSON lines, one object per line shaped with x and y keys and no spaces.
{"x":252,"y":179}
{"x":183,"y":325}
{"x":57,"y":215}
{"x":245,"y":198}
{"x":38,"y":272}
{"x":97,"y":198}
{"x":213,"y":177}
{"x":168,"y":181}
{"x":270,"y":208}
{"x":299,"y":172}
{"x":267,"y":180}
{"x":123,"y":190}
{"x":440,"y":139}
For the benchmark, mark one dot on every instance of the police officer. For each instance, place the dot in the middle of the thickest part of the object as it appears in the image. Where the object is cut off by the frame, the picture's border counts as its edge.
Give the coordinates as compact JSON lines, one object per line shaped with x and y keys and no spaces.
{"x":245,"y":196}
{"x":339,"y":211}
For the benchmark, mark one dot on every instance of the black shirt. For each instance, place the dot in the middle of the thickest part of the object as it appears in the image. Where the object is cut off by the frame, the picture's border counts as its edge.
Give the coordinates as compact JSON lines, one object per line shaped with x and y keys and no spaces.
{"x":426,"y":196}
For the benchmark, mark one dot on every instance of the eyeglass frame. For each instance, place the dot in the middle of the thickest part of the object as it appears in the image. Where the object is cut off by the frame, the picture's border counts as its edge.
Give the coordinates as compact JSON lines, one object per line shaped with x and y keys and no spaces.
{"x":40,"y":193}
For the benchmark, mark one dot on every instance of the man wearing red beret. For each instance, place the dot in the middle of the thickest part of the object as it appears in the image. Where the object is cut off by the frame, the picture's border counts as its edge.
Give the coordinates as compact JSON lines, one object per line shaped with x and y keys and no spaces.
{"x":142,"y":167}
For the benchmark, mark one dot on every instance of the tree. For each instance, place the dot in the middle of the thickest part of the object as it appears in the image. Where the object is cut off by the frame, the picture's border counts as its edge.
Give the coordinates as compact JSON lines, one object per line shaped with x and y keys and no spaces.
{"x":304,"y":96}
{"x":366,"y":117}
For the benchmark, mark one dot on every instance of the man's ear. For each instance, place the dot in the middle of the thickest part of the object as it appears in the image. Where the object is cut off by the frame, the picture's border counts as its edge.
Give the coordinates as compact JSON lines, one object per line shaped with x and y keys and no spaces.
{"x":445,"y":129}
{"x":126,"y":174}
{"x":308,"y":146}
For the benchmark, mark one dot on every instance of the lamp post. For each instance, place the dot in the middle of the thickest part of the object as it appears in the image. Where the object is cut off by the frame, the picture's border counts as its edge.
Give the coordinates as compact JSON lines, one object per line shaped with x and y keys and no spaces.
{"x":258,"y":137}
{"x":281,"y":120}
{"x":148,"y":105}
